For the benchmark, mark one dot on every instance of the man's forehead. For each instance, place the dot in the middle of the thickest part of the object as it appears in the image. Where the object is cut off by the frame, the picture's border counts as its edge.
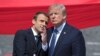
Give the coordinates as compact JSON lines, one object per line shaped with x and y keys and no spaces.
{"x":55,"y":10}
{"x":42,"y":17}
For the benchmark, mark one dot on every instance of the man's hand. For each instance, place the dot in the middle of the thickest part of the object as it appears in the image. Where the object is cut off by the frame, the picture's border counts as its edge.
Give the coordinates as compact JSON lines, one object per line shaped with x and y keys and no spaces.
{"x":44,"y":36}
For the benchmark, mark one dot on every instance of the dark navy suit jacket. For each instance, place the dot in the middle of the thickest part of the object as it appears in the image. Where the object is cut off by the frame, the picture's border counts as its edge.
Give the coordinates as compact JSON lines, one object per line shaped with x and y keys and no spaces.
{"x":70,"y":42}
{"x":25,"y":45}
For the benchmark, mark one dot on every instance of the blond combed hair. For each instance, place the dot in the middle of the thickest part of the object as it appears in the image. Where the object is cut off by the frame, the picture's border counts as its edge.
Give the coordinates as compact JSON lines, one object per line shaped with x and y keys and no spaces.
{"x":58,"y":7}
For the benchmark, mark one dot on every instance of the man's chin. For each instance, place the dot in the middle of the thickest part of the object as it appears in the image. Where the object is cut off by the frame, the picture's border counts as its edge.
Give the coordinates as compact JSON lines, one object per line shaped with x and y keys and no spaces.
{"x":41,"y":31}
{"x":54,"y":23}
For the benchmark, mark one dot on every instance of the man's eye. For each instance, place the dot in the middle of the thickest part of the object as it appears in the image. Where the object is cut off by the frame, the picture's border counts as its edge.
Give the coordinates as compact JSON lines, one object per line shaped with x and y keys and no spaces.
{"x":55,"y":13}
{"x":42,"y":20}
{"x":46,"y":22}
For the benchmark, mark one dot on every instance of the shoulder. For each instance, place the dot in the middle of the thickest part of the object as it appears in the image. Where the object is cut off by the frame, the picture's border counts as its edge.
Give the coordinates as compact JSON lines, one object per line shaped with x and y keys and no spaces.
{"x":76,"y":32}
{"x":21,"y":34}
{"x":72,"y":30}
{"x":22,"y":31}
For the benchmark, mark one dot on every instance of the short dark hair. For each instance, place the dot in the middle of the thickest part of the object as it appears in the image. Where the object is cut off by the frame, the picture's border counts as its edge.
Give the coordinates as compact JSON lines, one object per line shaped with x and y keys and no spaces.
{"x":38,"y":13}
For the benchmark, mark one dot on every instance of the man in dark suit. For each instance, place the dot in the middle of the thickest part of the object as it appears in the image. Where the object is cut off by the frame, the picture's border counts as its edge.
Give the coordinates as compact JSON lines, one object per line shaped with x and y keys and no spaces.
{"x":27,"y":43}
{"x":64,"y":40}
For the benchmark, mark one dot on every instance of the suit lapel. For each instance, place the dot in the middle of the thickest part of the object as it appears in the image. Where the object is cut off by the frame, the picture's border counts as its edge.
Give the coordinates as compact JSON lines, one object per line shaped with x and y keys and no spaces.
{"x":49,"y":33}
{"x":32,"y":38}
{"x":33,"y":41}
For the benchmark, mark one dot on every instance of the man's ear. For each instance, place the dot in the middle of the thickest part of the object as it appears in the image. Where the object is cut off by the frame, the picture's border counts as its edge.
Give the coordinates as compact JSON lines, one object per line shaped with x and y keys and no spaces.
{"x":33,"y":21}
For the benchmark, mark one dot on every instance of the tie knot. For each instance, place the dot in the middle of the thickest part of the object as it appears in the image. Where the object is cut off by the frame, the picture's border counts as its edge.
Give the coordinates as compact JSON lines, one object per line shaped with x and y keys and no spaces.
{"x":38,"y":37}
{"x":55,"y":31}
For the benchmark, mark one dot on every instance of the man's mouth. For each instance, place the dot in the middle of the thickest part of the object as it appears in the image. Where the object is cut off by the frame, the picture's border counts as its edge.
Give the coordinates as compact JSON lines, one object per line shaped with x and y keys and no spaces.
{"x":42,"y":28}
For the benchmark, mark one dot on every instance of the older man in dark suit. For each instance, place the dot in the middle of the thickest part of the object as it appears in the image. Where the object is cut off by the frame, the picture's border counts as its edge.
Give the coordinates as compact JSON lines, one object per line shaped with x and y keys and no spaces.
{"x":64,"y":40}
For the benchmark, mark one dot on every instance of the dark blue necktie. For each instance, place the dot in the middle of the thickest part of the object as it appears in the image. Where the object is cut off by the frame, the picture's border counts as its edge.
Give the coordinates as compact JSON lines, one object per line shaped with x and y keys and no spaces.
{"x":52,"y":45}
{"x":38,"y":44}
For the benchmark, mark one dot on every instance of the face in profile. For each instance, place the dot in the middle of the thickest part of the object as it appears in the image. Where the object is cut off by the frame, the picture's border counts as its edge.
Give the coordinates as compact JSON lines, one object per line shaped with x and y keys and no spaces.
{"x":56,"y":16}
{"x":41,"y":22}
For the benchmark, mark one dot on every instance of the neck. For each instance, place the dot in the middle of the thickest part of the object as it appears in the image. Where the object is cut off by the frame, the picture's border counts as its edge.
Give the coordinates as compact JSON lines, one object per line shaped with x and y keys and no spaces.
{"x":56,"y":26}
{"x":35,"y":30}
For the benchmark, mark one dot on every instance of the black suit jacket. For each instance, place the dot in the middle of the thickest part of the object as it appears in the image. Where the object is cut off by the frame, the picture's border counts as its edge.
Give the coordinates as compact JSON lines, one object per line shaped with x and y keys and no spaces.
{"x":25,"y":45}
{"x":70,"y":42}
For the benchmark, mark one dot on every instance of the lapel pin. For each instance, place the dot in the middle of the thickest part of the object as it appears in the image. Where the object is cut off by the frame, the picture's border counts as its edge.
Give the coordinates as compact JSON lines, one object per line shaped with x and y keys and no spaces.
{"x":64,"y":32}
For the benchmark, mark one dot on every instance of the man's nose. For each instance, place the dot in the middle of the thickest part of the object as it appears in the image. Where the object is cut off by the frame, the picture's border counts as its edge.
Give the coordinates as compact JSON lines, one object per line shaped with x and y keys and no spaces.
{"x":53,"y":16}
{"x":44,"y":23}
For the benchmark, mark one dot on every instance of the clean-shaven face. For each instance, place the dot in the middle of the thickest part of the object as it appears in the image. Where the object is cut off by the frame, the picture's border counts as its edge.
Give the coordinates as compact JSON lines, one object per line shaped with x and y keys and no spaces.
{"x":41,"y":22}
{"x":56,"y":16}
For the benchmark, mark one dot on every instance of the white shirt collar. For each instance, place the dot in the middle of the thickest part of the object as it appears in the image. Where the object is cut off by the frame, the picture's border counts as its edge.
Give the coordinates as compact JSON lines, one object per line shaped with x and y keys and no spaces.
{"x":34,"y":32}
{"x":60,"y":27}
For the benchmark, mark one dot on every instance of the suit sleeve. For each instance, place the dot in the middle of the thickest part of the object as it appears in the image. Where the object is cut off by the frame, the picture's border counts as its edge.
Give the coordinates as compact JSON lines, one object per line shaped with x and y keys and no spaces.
{"x":19,"y":44}
{"x":78,"y":46}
